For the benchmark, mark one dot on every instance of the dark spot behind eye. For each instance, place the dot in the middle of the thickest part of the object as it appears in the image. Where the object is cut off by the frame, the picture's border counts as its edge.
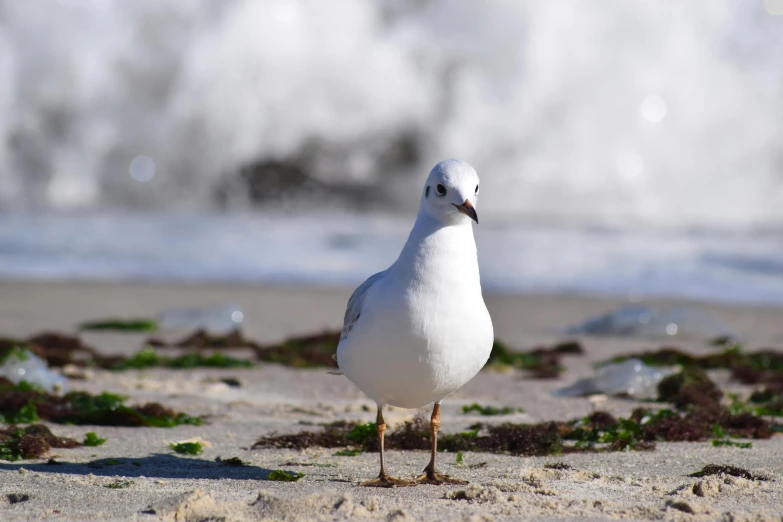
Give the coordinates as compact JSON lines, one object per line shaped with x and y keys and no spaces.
{"x":427,"y":192}
{"x":441,"y":190}
{"x":476,"y":189}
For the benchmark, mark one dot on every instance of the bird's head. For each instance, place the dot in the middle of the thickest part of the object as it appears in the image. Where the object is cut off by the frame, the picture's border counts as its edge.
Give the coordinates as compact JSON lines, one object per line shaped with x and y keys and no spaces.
{"x":451,"y":192}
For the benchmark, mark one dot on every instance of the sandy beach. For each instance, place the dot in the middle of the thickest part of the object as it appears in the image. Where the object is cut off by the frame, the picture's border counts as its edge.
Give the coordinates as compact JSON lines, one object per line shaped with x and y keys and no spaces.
{"x":633,"y":485}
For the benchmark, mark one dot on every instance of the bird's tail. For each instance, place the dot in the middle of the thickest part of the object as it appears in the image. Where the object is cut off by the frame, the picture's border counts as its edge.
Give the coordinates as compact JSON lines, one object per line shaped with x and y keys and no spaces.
{"x":337,"y":370}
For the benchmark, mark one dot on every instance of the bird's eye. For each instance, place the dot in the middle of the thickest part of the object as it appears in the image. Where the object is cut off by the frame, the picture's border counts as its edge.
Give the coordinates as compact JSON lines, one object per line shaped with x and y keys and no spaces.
{"x":441,"y":190}
{"x":476,"y":189}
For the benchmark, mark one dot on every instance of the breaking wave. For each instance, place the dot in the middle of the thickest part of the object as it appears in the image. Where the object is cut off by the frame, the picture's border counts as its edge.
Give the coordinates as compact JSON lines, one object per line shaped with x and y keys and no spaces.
{"x":663,"y":113}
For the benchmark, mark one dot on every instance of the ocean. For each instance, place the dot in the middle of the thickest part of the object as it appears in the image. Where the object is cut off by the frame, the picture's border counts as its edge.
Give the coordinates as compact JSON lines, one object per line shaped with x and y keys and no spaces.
{"x":341,"y":248}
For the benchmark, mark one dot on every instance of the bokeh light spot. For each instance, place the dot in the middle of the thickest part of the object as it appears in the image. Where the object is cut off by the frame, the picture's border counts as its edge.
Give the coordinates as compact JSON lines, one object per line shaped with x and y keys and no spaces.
{"x":671,"y":328}
{"x":142,"y":168}
{"x":653,"y":109}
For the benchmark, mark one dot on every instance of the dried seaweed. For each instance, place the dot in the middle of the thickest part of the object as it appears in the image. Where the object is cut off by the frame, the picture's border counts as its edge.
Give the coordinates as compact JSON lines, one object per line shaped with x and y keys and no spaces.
{"x":599,"y":431}
{"x":30,"y":442}
{"x":715,"y":469}
{"x":105,"y":409}
{"x":201,"y":339}
{"x":304,"y":351}
{"x":149,"y":358}
{"x":234,"y":462}
{"x":733,"y":358}
{"x":542,"y":362}
{"x":56,"y":349}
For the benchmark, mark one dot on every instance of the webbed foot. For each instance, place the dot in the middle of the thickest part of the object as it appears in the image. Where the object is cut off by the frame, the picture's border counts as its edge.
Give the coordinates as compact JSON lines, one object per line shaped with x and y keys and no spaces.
{"x":385,"y":481}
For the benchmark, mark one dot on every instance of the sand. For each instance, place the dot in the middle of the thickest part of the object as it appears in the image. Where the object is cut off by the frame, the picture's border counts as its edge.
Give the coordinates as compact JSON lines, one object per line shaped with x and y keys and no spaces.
{"x":167,"y":486}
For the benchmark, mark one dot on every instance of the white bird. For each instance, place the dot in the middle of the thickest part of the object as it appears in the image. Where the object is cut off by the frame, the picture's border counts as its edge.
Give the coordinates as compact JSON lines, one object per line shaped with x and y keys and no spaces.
{"x":418,"y":331}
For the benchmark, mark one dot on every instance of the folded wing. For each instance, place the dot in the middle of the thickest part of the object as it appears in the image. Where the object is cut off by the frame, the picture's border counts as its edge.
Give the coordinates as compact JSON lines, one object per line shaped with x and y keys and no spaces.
{"x":354,"y":309}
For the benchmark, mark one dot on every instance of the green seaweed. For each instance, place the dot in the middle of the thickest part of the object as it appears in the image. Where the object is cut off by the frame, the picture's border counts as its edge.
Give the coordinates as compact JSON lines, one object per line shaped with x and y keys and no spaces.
{"x":119,"y":484}
{"x":757,"y":405}
{"x":502,"y":354}
{"x":187,"y":448}
{"x":305,"y":351}
{"x":30,"y":442}
{"x":544,"y":363}
{"x":121,"y":325}
{"x":699,"y":416}
{"x":24,"y":415}
{"x":728,"y":442}
{"x":13,"y":349}
{"x":733,"y":357}
{"x":490,"y":410}
{"x":23,"y":403}
{"x":149,"y":358}
{"x":284,"y":476}
{"x":92,"y":439}
{"x":363,"y":433}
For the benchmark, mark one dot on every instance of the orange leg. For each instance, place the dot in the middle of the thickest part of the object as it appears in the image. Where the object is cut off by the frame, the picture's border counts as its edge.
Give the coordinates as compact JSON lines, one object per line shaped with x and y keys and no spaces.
{"x":431,"y":475}
{"x":384,"y":480}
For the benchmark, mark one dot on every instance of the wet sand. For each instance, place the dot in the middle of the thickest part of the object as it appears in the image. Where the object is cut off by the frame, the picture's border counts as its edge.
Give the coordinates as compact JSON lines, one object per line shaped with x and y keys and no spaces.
{"x":628,"y":485}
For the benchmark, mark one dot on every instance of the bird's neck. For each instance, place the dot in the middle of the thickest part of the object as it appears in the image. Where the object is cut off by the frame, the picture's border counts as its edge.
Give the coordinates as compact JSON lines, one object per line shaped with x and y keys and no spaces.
{"x":439,"y":245}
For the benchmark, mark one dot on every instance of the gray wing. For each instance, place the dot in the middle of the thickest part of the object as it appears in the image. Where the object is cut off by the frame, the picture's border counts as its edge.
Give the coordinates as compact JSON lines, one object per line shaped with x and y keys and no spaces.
{"x":354,"y":309}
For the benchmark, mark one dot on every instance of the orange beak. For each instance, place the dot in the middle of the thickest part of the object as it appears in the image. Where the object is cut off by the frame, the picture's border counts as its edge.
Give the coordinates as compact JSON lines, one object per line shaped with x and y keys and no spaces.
{"x":468,"y":209}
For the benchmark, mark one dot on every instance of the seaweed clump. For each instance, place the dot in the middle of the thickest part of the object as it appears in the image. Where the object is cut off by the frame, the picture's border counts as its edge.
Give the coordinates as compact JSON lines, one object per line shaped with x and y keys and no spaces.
{"x":599,"y":431}
{"x":149,"y":358}
{"x":690,"y":387}
{"x":120,"y":325}
{"x":106,"y":409}
{"x":201,"y":339}
{"x":748,"y":367}
{"x":187,"y":448}
{"x":542,"y":362}
{"x":490,"y":410}
{"x":59,"y":350}
{"x":30,"y":442}
{"x":516,"y":439}
{"x":56,"y":349}
{"x":304,"y":351}
{"x":715,"y":469}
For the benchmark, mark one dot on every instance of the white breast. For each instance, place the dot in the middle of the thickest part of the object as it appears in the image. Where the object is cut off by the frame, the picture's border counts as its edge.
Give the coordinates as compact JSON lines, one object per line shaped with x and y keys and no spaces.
{"x":424,"y":330}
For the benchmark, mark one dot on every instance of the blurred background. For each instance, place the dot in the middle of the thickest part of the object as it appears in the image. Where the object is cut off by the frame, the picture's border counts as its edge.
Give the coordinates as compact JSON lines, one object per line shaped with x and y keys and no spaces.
{"x":625,"y":147}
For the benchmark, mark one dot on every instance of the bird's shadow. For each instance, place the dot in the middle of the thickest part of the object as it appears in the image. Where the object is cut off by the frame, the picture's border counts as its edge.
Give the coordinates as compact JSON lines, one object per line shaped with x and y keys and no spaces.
{"x":158,"y":465}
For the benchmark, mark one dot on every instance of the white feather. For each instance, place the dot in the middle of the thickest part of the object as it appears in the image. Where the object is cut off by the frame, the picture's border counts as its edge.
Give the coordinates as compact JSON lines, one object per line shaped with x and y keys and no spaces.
{"x":419,"y":331}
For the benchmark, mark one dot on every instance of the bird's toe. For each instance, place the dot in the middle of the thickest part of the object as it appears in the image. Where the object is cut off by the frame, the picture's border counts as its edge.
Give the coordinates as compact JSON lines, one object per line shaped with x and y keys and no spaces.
{"x":386,"y":481}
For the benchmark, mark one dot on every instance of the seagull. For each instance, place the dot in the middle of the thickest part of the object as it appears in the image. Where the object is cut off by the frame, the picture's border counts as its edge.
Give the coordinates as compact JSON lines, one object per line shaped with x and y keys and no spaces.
{"x":419,"y":331}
